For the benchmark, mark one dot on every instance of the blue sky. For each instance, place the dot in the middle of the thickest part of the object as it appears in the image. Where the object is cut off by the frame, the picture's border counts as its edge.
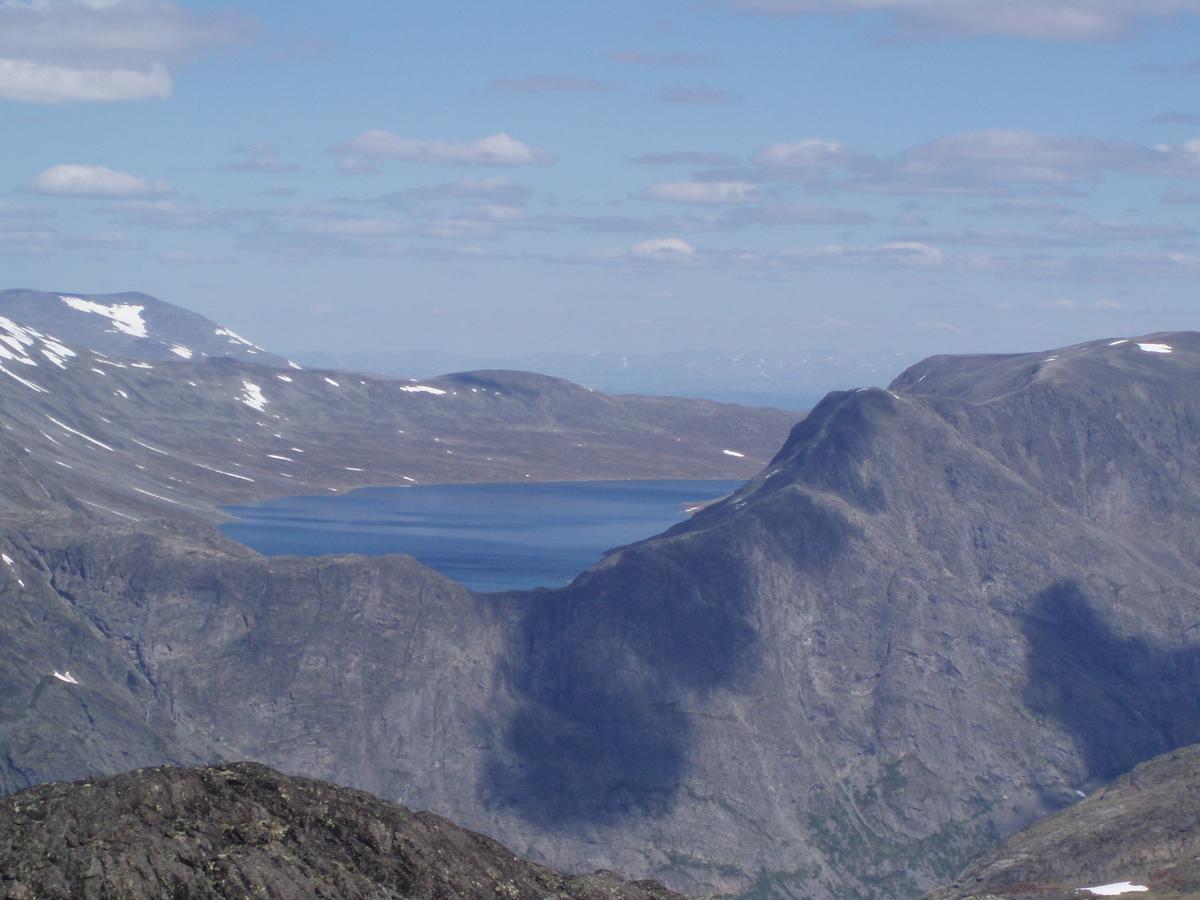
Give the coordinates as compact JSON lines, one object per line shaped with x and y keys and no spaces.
{"x":896,"y":177}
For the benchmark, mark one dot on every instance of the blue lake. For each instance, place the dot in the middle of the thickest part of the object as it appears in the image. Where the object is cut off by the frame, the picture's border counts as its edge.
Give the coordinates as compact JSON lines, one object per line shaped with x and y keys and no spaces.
{"x":490,"y":537}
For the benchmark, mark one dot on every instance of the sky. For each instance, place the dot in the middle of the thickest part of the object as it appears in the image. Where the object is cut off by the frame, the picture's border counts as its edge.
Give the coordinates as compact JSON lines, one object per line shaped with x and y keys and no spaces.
{"x":899,"y":177}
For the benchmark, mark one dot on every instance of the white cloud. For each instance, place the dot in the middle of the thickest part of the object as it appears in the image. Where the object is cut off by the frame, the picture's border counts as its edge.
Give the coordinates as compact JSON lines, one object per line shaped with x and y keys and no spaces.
{"x":55,"y":51}
{"x":702,"y":192}
{"x":94,"y":181}
{"x":810,"y":153}
{"x":1058,"y":20}
{"x":494,"y":150}
{"x":978,"y":162}
{"x":115,"y":33}
{"x":663,"y":250}
{"x":34,"y":82}
{"x":904,"y":254}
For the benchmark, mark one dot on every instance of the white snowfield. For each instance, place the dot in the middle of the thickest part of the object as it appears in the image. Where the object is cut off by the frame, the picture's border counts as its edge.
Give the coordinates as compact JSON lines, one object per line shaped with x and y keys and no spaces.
{"x":235,"y":338}
{"x":734,"y":453}
{"x":1155,"y":348}
{"x":126,"y":317}
{"x":421,"y":389}
{"x":252,"y":395}
{"x":1116,"y":889}
{"x":329,"y":380}
{"x":180,"y":350}
{"x":65,"y":676}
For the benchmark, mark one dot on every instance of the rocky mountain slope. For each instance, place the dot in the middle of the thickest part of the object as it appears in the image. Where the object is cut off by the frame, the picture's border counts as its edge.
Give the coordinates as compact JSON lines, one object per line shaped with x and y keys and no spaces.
{"x":245,"y":830}
{"x":127,"y":326}
{"x":936,"y":614}
{"x":1141,"y":831}
{"x":119,"y":427}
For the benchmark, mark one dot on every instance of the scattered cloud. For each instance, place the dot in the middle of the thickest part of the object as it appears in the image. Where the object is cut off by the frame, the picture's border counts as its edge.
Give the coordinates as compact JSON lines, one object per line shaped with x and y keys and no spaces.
{"x":497,"y":149}
{"x":685,"y":157}
{"x":1053,"y":20}
{"x":261,"y":158}
{"x":1176,"y":118}
{"x":1186,"y":68}
{"x":1021,"y":206}
{"x":694,"y":96}
{"x":1097,"y":229}
{"x":635,"y":58}
{"x":663,"y":250}
{"x":978,"y":162}
{"x":784,"y":214}
{"x":551,"y":84}
{"x":94,"y":181}
{"x":701,"y":192}
{"x":34,"y":82}
{"x":808,"y":154}
{"x":57,"y":51}
{"x":497,"y":189}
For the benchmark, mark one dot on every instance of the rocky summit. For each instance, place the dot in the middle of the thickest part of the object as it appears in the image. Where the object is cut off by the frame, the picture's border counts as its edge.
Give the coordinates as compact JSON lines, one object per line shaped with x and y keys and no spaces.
{"x":242,"y":830}
{"x":941,"y":610}
{"x":1138,"y":836}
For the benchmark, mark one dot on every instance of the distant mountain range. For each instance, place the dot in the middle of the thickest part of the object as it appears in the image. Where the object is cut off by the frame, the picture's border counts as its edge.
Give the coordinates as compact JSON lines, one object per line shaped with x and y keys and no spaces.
{"x":793,"y":380}
{"x":123,"y":406}
{"x":939,"y":612}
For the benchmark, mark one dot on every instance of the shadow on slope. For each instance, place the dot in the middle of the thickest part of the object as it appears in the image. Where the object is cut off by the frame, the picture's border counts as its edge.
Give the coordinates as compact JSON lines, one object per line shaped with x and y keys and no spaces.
{"x":1123,"y":698}
{"x":610,"y":671}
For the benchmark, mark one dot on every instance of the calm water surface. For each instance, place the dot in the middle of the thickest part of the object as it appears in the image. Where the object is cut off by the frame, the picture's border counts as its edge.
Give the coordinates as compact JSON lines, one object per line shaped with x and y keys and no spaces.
{"x":491,"y":537}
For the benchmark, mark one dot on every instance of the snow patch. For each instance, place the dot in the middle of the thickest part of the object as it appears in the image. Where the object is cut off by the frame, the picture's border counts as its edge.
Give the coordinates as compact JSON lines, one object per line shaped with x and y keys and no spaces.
{"x":141,"y":365}
{"x":156,"y":496}
{"x":180,"y":350}
{"x":1118,"y":343}
{"x":219,"y":472}
{"x":294,"y":365}
{"x":421,"y":389}
{"x":235,"y":338}
{"x":734,"y":453}
{"x":252,"y":395}
{"x":148,"y":447}
{"x":1155,"y":348}
{"x":1116,"y":889}
{"x":329,"y":380}
{"x":277,"y":456}
{"x":351,"y":469}
{"x":90,"y":440}
{"x":65,"y":676}
{"x":286,"y":378}
{"x":126,"y":317}
{"x":36,"y":388}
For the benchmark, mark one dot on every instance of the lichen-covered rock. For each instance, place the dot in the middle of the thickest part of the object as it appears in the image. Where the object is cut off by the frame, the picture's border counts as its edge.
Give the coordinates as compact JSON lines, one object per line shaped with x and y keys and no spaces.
{"x":243,"y":830}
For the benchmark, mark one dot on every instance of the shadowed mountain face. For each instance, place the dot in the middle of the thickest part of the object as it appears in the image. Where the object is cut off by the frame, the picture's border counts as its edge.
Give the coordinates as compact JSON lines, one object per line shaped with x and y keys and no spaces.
{"x":937,"y":613}
{"x":1141,"y":831}
{"x":245,"y":830}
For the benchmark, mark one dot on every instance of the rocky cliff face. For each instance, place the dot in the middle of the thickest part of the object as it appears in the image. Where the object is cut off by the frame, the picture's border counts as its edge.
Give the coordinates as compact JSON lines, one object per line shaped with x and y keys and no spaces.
{"x":1138,"y":836}
{"x":935,"y":615}
{"x":244,"y":830}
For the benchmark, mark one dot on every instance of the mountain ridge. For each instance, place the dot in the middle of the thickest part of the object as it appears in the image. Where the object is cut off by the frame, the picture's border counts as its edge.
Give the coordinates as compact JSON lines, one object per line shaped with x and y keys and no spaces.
{"x":914,"y":632}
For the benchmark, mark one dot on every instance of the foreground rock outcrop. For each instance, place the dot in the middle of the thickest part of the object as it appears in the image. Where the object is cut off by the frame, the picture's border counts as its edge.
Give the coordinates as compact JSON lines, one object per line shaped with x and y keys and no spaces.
{"x":244,"y":830}
{"x":1140,"y":831}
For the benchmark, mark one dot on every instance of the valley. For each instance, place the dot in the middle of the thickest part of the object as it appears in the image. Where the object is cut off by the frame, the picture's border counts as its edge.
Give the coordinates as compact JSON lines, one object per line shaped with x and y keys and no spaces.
{"x":913,"y":632}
